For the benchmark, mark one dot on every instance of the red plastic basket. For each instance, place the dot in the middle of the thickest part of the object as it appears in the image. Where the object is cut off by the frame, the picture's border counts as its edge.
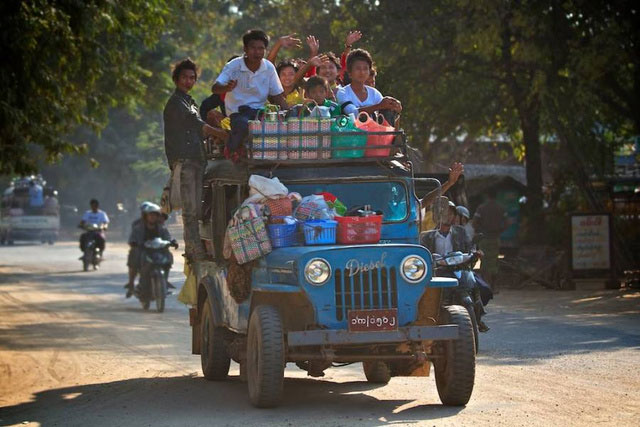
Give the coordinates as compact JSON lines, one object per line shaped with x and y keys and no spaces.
{"x":354,"y":230}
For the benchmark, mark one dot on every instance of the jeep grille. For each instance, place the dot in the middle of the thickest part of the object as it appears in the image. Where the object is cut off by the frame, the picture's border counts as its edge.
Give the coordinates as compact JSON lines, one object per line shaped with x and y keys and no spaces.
{"x":377,"y":288}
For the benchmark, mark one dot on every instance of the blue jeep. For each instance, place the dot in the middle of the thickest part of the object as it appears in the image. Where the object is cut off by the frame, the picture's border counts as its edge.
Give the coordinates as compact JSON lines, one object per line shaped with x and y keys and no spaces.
{"x":317,"y":306}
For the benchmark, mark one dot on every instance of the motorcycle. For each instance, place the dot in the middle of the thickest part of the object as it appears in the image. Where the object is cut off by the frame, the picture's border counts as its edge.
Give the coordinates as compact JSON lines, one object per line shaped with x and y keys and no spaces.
{"x":460,"y":265}
{"x":156,"y":262}
{"x":92,"y":254}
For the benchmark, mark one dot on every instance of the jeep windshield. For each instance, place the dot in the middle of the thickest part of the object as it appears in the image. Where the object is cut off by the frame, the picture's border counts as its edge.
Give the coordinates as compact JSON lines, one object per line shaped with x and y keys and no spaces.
{"x":390,"y":197}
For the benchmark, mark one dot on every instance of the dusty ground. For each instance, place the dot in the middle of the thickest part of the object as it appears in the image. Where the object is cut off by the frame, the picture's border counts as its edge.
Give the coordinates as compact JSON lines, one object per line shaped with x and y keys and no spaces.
{"x":73,"y":351}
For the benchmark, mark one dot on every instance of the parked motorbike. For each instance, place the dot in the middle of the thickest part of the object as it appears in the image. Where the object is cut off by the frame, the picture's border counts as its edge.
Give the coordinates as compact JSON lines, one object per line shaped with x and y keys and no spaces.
{"x":156,"y":262}
{"x":91,"y":255}
{"x":460,"y":265}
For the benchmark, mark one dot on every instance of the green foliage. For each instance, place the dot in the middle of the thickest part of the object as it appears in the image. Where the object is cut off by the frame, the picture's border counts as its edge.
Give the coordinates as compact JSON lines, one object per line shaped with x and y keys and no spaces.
{"x":565,"y":72}
{"x":67,"y":63}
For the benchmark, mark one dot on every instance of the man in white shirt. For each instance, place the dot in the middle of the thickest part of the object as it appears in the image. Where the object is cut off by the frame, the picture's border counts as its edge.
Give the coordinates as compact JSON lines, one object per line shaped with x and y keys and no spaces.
{"x":248,"y":82}
{"x":94,"y":216}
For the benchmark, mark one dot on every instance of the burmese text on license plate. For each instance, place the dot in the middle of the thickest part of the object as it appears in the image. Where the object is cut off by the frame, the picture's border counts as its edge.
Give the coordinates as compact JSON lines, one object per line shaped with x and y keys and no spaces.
{"x":373,"y":320}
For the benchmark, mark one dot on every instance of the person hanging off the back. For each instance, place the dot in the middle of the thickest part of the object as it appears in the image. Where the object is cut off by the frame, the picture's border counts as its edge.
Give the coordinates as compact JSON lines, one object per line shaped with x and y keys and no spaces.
{"x":184,"y":132}
{"x":248,"y":81}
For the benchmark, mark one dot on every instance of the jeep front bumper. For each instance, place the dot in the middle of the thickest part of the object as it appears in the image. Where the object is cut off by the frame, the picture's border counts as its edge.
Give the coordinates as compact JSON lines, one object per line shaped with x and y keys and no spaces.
{"x":344,"y":337}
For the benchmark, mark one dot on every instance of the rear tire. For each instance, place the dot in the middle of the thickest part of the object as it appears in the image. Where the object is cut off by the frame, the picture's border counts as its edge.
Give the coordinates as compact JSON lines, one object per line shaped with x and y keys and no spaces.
{"x":146,"y":305}
{"x":265,"y":357}
{"x":377,"y":372}
{"x":213,"y":353}
{"x":455,"y":372}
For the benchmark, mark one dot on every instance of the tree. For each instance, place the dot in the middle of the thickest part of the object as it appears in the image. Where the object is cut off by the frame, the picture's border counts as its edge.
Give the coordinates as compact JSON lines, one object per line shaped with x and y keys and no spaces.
{"x":67,"y":64}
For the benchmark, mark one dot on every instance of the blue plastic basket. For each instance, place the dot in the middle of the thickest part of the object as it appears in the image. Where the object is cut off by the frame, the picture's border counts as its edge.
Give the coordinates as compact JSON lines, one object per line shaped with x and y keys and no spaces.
{"x":320,"y":232}
{"x":283,"y":235}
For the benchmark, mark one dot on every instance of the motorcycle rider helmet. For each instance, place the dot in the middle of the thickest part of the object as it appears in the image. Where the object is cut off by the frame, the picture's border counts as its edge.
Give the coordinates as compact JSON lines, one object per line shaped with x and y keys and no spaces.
{"x":463,"y":212}
{"x":152,"y":208}
{"x":144,"y":205}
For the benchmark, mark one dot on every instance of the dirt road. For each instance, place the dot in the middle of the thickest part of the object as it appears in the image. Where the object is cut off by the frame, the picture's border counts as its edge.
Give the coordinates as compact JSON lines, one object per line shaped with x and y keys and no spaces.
{"x":73,"y":352}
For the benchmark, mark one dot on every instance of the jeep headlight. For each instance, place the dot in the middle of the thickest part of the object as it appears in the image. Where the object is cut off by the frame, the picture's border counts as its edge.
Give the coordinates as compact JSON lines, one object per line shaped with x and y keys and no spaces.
{"x":317,"y":271}
{"x":413,"y":268}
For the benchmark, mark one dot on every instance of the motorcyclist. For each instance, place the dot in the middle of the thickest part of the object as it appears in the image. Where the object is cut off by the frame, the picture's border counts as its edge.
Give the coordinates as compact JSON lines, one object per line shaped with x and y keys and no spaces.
{"x":98,"y":217}
{"x":450,"y":238}
{"x":148,"y":227}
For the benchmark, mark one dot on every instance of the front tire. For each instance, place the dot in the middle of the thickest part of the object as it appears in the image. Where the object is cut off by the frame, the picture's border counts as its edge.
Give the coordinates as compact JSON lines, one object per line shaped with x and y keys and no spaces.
{"x":474,"y":324}
{"x":265,"y":357}
{"x":159,"y":290}
{"x":213,"y":353}
{"x":455,"y":371}
{"x":377,"y":372}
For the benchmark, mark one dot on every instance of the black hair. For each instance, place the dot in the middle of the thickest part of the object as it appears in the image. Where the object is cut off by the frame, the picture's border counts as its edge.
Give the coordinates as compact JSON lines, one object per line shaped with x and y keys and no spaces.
{"x":359,"y":55}
{"x":232,"y":58}
{"x":333,"y":58}
{"x":94,"y":202}
{"x":492,"y":193}
{"x":185,"y":64}
{"x":284,"y":64}
{"x":315,"y":81}
{"x":255,"y":35}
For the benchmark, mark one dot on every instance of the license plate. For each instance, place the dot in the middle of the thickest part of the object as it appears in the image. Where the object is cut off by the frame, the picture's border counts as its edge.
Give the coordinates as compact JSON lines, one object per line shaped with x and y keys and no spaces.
{"x":373,"y":320}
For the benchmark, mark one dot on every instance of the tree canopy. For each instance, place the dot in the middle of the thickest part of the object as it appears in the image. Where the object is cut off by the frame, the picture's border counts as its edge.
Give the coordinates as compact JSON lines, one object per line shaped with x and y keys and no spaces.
{"x":531,"y":72}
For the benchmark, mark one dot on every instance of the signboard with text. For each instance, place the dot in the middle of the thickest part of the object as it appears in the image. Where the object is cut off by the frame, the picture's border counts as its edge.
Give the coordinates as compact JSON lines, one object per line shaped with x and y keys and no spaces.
{"x":591,"y":243}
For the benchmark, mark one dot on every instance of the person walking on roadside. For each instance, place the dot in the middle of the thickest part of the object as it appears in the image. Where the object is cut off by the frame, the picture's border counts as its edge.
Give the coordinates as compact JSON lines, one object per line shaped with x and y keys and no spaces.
{"x":490,"y":220}
{"x":184,"y":132}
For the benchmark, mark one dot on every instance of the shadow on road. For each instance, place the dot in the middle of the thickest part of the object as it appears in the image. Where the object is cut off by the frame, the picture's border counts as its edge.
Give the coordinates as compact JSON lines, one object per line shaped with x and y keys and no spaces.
{"x":187,"y":400}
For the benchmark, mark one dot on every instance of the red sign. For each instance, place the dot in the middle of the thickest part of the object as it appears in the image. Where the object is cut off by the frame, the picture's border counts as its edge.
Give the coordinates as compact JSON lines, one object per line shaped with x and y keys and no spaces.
{"x":372,"y":320}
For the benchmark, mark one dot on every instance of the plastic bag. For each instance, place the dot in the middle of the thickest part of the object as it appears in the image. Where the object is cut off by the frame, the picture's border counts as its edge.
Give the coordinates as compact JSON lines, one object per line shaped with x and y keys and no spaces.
{"x":271,"y":188}
{"x":189,"y":294}
{"x":313,"y":207}
{"x":320,"y":111}
{"x":334,"y":204}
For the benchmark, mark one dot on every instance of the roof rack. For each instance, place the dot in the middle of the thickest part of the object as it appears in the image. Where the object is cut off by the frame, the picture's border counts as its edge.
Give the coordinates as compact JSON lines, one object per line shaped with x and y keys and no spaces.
{"x":300,"y":148}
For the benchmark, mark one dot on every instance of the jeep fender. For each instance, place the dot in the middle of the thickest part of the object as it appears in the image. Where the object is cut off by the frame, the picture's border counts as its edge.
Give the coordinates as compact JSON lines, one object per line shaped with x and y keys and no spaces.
{"x":206,"y":288}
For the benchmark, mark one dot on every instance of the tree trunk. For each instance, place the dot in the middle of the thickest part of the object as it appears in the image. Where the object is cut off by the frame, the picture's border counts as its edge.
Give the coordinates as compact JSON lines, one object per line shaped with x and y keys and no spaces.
{"x":530,"y":123}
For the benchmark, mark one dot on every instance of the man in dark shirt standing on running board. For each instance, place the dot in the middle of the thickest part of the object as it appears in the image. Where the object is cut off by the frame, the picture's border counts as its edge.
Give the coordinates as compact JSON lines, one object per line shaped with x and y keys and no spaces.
{"x":184,"y":132}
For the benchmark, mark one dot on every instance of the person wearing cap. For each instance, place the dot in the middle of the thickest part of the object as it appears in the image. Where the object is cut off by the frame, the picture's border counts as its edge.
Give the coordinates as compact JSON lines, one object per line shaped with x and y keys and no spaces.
{"x":148,"y":227}
{"x":464,"y":220}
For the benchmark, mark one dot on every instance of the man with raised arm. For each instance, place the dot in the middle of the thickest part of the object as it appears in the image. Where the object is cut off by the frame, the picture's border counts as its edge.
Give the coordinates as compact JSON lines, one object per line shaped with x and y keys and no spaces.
{"x":248,"y":81}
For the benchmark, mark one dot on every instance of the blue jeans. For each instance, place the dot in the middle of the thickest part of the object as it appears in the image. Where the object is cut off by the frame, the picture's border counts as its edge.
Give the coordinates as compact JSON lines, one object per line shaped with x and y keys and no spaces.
{"x":240,"y":126}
